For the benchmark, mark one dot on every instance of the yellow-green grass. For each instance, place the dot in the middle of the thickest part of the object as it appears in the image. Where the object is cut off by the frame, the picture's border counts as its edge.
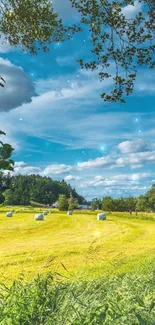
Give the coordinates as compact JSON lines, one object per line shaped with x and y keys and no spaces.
{"x":76,"y":246}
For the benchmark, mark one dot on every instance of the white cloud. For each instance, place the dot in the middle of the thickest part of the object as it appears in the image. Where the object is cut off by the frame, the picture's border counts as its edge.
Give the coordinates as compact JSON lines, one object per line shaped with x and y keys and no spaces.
{"x":138,"y":145}
{"x":18,"y":89}
{"x":51,"y":170}
{"x":69,"y":178}
{"x":131,"y":10}
{"x":27,"y":170}
{"x":96,"y":163}
{"x":20,"y":164}
{"x":9,"y":138}
{"x":77,"y":103}
{"x":69,"y":86}
{"x":5,"y":46}
{"x":130,"y":177}
{"x":136,"y":159}
{"x":99,"y":178}
{"x":115,"y":181}
{"x":21,"y":168}
{"x":41,"y":117}
{"x":57,"y":169}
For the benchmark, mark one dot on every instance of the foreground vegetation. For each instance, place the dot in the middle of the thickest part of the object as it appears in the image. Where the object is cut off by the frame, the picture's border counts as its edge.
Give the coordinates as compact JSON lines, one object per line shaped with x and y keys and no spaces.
{"x":77,"y":246}
{"x":118,"y":300}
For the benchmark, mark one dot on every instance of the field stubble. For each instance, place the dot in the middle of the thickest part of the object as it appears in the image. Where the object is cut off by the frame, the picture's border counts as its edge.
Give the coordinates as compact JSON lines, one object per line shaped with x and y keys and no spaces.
{"x":77,"y":246}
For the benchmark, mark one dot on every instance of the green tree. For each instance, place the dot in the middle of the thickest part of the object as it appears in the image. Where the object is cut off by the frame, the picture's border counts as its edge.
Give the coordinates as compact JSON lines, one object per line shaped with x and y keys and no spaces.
{"x":73,"y":203}
{"x":5,"y":153}
{"x":1,"y":188}
{"x":27,"y":188}
{"x":119,"y":204}
{"x":96,"y":204}
{"x":130,"y":203}
{"x":2,"y":198}
{"x":9,"y":200}
{"x":63,"y":202}
{"x":150,"y":198}
{"x":32,"y":24}
{"x":120,"y":44}
{"x":142,"y":203}
{"x":107,"y":204}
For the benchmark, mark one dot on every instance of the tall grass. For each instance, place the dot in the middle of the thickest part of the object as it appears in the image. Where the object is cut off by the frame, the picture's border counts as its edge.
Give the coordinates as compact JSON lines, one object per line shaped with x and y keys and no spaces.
{"x":118,"y":300}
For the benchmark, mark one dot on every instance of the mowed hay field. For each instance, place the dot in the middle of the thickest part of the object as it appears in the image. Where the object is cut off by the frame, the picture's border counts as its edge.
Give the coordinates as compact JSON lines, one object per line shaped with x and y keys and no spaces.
{"x":76,"y":246}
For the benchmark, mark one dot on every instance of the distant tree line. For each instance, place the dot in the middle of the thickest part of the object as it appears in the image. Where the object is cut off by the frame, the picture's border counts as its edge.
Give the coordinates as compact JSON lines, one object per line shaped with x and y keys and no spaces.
{"x":144,"y":202}
{"x":22,"y":189}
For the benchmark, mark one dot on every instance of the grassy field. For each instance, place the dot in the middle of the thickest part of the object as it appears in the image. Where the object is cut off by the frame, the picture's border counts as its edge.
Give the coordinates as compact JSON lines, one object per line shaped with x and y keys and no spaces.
{"x":77,"y":246}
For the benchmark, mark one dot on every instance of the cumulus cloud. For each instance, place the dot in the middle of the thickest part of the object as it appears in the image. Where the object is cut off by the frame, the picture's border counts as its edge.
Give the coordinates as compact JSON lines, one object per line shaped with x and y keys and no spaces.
{"x":57,"y":169}
{"x":96,"y":163}
{"x":136,"y":159}
{"x":115,"y":181}
{"x":51,"y":170}
{"x":130,"y":177}
{"x":27,"y":170}
{"x":21,"y":168}
{"x":69,"y":178}
{"x":131,"y":10}
{"x":20,"y":164}
{"x":18,"y":89}
{"x":99,"y":178}
{"x":138,"y":145}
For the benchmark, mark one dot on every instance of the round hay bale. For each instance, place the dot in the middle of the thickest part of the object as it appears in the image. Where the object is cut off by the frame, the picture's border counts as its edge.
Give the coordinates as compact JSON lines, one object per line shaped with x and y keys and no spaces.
{"x":39,"y":217}
{"x":45,"y":213}
{"x":101,"y":216}
{"x":9,"y":214}
{"x":69,"y":213}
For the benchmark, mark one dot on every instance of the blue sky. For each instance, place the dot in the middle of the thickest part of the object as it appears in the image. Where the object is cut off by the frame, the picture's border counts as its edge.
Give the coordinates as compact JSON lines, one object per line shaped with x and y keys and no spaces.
{"x":57,"y":123}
